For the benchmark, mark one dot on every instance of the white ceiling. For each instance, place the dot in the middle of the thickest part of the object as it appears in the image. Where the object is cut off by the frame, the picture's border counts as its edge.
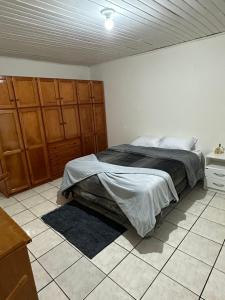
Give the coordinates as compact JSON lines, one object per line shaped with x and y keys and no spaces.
{"x":72,"y":31}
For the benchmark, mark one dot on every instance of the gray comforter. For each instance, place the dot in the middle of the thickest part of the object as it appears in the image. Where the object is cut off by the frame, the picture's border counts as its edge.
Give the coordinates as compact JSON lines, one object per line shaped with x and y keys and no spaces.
{"x":193,"y":165}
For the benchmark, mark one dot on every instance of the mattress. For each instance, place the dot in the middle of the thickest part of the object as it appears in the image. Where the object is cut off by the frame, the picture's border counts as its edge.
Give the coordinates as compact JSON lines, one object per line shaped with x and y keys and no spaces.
{"x":92,"y":193}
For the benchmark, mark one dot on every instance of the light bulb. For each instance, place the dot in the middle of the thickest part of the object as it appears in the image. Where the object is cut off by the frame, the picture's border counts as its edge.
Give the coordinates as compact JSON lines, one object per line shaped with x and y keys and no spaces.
{"x":109,"y":23}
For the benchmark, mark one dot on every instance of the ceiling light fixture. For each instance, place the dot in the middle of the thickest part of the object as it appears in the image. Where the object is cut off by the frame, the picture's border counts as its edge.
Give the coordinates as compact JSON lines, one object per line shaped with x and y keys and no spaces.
{"x":108,"y":14}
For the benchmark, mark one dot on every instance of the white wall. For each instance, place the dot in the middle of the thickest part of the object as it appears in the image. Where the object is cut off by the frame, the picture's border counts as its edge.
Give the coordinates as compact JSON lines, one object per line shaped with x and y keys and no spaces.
{"x":178,"y":91}
{"x":27,"y":67}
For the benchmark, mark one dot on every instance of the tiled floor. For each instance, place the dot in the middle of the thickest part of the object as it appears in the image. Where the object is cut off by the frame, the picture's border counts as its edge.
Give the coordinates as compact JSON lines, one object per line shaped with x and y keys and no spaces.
{"x":184,"y":259}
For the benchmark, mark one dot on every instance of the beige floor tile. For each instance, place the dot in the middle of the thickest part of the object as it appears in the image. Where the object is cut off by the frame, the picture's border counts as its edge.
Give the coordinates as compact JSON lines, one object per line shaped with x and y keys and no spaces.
{"x":14,"y":209}
{"x":44,"y":242}
{"x":191,"y":207}
{"x":80,"y":279}
{"x":42,"y":188}
{"x":215,"y":287}
{"x":4,"y":202}
{"x":51,"y":193}
{"x":35,"y":227}
{"x":33,"y":201}
{"x":218,"y":201}
{"x":59,"y":259}
{"x":170,"y":233}
{"x":164,"y":288}
{"x":210,"y":230}
{"x":31,"y":257}
{"x":220,"y":263}
{"x":109,"y":290}
{"x":51,"y":291}
{"x":154,"y":251}
{"x":109,"y":257}
{"x":181,"y":219}
{"x":24,"y":195}
{"x":214,"y":214}
{"x":134,"y":275}
{"x":41,"y":277}
{"x":43,"y":208}
{"x":199,"y":195}
{"x":24,"y":217}
{"x":129,"y":239}
{"x":188,"y":271}
{"x":56,"y":182}
{"x":200,"y":247}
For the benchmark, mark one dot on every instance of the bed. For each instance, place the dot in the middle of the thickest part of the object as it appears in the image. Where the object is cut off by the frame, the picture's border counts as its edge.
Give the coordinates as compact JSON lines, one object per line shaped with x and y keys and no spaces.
{"x":184,"y":167}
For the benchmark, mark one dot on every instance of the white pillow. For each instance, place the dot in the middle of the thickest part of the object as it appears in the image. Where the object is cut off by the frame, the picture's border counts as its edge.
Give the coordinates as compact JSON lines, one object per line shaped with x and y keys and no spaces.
{"x":146,"y":141}
{"x":178,"y":143}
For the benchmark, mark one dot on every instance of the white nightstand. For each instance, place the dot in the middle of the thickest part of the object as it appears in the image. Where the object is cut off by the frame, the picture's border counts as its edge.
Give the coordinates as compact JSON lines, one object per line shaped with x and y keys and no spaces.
{"x":215,"y":172}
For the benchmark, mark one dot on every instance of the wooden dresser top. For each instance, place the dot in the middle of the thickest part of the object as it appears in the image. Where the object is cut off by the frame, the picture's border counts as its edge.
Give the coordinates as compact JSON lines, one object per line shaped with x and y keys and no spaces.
{"x":11,"y":235}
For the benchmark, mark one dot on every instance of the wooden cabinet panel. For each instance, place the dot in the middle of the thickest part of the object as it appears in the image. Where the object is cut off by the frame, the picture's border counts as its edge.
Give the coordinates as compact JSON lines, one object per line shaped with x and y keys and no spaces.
{"x":25,"y":91}
{"x":12,"y":152}
{"x":34,"y":140}
{"x":101,"y":142}
{"x":99,"y":118}
{"x":88,"y":144}
{"x":16,"y":167}
{"x":70,"y":149}
{"x":7,"y":99}
{"x":71,"y":121}
{"x":84,"y":91}
{"x":86,"y":119}
{"x":97,"y":91}
{"x":10,"y":136}
{"x":48,"y":91}
{"x":67,"y":91}
{"x":38,"y":164}
{"x":16,"y":277}
{"x":53,"y":124}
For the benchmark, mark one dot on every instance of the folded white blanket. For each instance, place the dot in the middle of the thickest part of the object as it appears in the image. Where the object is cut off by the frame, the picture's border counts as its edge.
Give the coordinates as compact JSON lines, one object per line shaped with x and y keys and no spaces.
{"x":141,"y":193}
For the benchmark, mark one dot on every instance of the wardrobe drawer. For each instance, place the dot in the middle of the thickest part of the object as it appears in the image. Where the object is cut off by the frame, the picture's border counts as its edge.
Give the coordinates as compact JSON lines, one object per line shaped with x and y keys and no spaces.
{"x":215,"y":173}
{"x":215,"y":183}
{"x":62,"y":152}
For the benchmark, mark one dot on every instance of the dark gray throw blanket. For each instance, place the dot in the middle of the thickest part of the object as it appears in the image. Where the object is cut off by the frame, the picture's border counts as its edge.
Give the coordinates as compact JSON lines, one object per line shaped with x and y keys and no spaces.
{"x":193,"y":166}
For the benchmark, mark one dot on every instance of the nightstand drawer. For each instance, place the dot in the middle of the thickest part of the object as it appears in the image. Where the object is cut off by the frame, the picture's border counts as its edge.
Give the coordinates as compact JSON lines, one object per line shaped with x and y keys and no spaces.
{"x":215,"y":183}
{"x":215,"y":173}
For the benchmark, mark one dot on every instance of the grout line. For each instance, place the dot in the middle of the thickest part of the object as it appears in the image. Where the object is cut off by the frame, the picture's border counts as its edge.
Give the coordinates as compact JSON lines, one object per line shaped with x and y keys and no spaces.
{"x":129,"y":251}
{"x":176,"y":249}
{"x":213,"y":267}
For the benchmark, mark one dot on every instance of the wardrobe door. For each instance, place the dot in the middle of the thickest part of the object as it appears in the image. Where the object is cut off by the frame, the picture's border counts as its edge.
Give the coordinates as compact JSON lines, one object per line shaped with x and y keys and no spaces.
{"x":71,"y":121}
{"x":53,"y":124}
{"x":97,"y":91}
{"x":87,"y":128}
{"x":48,"y":91}
{"x":99,"y":118}
{"x":84,"y":91}
{"x":13,"y":158}
{"x":34,"y":140}
{"x":67,"y":91}
{"x":7,"y":99}
{"x":101,"y":142}
{"x":100,"y":127}
{"x":25,"y":91}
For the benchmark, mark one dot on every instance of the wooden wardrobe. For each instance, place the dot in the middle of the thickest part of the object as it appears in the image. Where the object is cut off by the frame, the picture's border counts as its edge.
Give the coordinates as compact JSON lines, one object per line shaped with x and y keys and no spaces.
{"x":44,"y":123}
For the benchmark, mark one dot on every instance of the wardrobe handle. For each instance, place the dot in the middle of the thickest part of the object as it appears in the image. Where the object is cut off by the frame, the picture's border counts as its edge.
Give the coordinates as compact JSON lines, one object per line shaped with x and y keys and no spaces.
{"x":11,"y":100}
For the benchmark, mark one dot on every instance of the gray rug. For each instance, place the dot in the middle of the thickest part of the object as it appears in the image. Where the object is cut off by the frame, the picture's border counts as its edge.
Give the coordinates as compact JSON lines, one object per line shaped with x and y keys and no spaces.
{"x":86,"y":229}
